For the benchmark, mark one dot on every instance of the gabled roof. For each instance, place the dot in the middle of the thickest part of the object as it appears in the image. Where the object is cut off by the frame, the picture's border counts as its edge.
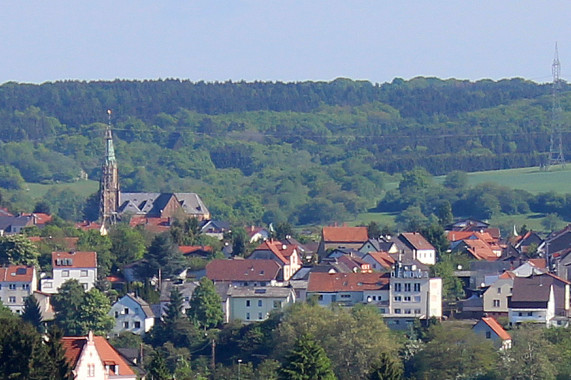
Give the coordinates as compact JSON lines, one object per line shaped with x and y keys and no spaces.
{"x":143,"y":304}
{"x":480,"y":250}
{"x":507,"y":275}
{"x":354,"y":263}
{"x":74,"y":346}
{"x":350,"y":282}
{"x":345,"y":234}
{"x":190,"y":249}
{"x":282,"y":251}
{"x":242,"y":270}
{"x":16,"y":273}
{"x":383,"y":258}
{"x":39,"y":217}
{"x":191,"y":203}
{"x":497,"y":328}
{"x":535,"y":288}
{"x":416,"y":240}
{"x":74,"y":260}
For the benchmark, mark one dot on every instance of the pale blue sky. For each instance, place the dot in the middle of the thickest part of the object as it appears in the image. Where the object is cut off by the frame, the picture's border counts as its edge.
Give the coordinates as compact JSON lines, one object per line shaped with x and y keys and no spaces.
{"x":282,"y":40}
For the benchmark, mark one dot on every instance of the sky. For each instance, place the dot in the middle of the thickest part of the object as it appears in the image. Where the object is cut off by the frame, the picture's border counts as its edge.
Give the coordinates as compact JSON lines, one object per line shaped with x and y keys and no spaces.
{"x":268,"y":40}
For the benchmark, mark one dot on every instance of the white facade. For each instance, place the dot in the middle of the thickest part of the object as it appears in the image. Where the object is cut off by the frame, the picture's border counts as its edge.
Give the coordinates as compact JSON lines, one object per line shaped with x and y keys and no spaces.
{"x":80,"y":266}
{"x":17,"y":282}
{"x":413,"y":293}
{"x":542,"y":315}
{"x":133,"y":315}
{"x":255,"y":304}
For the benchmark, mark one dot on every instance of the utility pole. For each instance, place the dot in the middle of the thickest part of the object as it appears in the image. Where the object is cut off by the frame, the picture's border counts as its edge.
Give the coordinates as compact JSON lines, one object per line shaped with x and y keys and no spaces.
{"x":556,"y":156}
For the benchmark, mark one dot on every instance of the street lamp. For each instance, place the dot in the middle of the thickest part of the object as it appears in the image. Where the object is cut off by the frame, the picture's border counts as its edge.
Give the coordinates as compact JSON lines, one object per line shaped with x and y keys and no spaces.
{"x":239,"y":362}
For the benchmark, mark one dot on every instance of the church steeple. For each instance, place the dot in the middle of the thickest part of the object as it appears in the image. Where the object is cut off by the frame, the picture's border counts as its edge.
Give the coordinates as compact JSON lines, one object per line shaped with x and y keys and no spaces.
{"x":109,"y":184}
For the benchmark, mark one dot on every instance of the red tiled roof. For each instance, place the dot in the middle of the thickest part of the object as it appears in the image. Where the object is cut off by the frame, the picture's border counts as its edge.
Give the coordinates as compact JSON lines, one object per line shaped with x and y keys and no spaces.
{"x":242,"y":270}
{"x":382,"y":258}
{"x":150,"y":223}
{"x":463,"y":235}
{"x":480,"y":250}
{"x":507,"y":275}
{"x":539,"y":263}
{"x":86,"y":225}
{"x":78,"y":259}
{"x":188,"y":249}
{"x":345,"y":234}
{"x":282,"y":251}
{"x":335,"y":282}
{"x":73,"y":347}
{"x":40,"y":217}
{"x":16,"y":273}
{"x":497,"y":328}
{"x":417,"y":240}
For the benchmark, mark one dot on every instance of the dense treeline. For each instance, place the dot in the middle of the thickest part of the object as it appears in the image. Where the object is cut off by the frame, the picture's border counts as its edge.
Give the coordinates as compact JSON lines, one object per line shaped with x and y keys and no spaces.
{"x":309,"y":152}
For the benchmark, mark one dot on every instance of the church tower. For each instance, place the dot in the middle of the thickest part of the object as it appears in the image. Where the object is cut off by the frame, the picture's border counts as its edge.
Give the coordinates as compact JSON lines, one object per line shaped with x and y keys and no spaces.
{"x":109,"y":184}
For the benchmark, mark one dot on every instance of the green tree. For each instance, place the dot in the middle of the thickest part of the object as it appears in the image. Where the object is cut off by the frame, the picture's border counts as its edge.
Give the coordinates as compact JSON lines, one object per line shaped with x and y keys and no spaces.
{"x":59,"y":367}
{"x":386,"y":368}
{"x":18,"y":250}
{"x":307,"y":361}
{"x":283,"y":230}
{"x":32,"y":313}
{"x":158,"y":367}
{"x":452,"y":287}
{"x":92,"y":240}
{"x":174,"y":309}
{"x":163,"y":254}
{"x":456,"y":180}
{"x":67,"y":304}
{"x":205,"y":305}
{"x":93,"y":312}
{"x":239,"y":242}
{"x":374,"y":230}
{"x":552,"y":222}
{"x":127,"y":244}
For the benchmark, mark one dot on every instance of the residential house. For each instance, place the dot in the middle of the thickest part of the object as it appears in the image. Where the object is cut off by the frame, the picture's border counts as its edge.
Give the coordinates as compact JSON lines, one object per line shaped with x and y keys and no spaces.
{"x":215,"y":228}
{"x":17,"y":282}
{"x":185,"y":288}
{"x":529,"y":239}
{"x":467,"y":225}
{"x":349,"y":289}
{"x":542,"y":298}
{"x":240,"y":272}
{"x":132,"y":314}
{"x":382,"y":244}
{"x":478,"y":249}
{"x":341,"y":237}
{"x":495,"y":298}
{"x":256,"y":234}
{"x":92,"y":357}
{"x":421,"y":249}
{"x":489,"y":328}
{"x":202,"y":251}
{"x":10,"y":225}
{"x":379,"y":261}
{"x":555,"y":249}
{"x":248,"y":304}
{"x":287,"y":256}
{"x":80,"y":266}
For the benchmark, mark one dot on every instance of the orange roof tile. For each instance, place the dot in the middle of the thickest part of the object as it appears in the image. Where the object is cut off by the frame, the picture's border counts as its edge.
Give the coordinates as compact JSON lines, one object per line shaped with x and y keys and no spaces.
{"x":497,"y":328}
{"x":507,"y":275}
{"x":480,"y":250}
{"x":539,"y":263}
{"x":78,"y":259}
{"x":16,"y":273}
{"x":345,"y":234}
{"x":335,"y":282}
{"x":188,"y":249}
{"x":383,"y":258}
{"x":282,"y":251}
{"x":86,"y":225}
{"x":39,"y":217}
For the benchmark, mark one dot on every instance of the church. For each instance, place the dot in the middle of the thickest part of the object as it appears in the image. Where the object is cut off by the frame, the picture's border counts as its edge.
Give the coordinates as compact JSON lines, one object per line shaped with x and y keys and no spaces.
{"x":114,"y":204}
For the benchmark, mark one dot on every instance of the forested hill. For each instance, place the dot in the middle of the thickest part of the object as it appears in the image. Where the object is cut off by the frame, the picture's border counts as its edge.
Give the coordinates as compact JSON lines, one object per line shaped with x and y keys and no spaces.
{"x":276,"y":149}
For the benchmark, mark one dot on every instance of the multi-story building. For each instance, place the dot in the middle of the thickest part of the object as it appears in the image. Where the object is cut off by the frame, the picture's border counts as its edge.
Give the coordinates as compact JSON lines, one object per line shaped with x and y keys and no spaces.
{"x":16,"y":283}
{"x":80,"y":266}
{"x":132,"y":314}
{"x":249,"y":304}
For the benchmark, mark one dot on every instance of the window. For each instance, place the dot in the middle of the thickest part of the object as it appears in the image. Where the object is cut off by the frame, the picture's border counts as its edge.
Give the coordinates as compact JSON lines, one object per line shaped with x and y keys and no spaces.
{"x":126,"y":325}
{"x":398,"y":298}
{"x":25,"y":286}
{"x":417,"y":311}
{"x":407,"y":311}
{"x":83,"y":273}
{"x":247,"y":316}
{"x":126,"y":310}
{"x":417,"y":286}
{"x":65,"y":273}
{"x":116,"y":314}
{"x":397,"y":311}
{"x":398,"y":287}
{"x":12,"y":286}
{"x":0,"y":286}
{"x":530,"y":313}
{"x":84,"y":285}
{"x":416,"y":298}
{"x":488,"y":335}
{"x":520,"y":313}
{"x":499,"y":290}
{"x":260,"y":315}
{"x":247,"y":303}
{"x":260,"y":303}
{"x":137,"y":325}
{"x":12,"y":299}
{"x":345,"y":296}
{"x":277,"y":304}
{"x":407,"y":299}
{"x":407,"y":287}
{"x":496,"y":303}
{"x":91,"y":370}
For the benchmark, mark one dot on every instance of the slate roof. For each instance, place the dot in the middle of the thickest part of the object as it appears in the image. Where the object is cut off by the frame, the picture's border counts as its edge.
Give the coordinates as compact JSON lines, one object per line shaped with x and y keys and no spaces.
{"x":345,"y":234}
{"x":531,"y":289}
{"x":153,"y":203}
{"x":16,"y":273}
{"x":143,"y":304}
{"x":242,"y":270}
{"x":12,"y":223}
{"x":338,"y":282}
{"x":497,"y":328}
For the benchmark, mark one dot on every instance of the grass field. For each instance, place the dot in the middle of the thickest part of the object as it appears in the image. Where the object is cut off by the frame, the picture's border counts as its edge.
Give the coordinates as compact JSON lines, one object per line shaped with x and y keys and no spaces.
{"x":84,"y":188}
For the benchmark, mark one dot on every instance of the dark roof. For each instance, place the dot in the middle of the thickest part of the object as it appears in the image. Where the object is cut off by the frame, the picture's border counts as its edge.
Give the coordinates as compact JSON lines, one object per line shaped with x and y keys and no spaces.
{"x":242,"y":270}
{"x":533,"y":288}
{"x":415,"y":240}
{"x":143,"y":304}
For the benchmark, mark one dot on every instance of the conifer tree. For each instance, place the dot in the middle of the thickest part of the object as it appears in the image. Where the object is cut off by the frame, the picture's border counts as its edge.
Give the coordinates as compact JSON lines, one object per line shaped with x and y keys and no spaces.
{"x":32,"y":313}
{"x":174,"y":309}
{"x":59,"y":368}
{"x":307,"y":361}
{"x":386,"y":368}
{"x":158,"y":367}
{"x":205,"y":310}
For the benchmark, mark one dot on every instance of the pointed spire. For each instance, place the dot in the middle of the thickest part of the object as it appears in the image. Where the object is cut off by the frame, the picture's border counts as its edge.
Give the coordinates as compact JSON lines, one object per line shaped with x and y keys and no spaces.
{"x":109,"y":149}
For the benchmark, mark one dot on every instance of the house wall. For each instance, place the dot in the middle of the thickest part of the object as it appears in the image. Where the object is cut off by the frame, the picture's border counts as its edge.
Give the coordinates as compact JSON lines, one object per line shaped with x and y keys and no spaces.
{"x":15,"y":298}
{"x":485,"y":331}
{"x":344,"y":298}
{"x":534,"y":315}
{"x":89,"y":358}
{"x":420,"y":296}
{"x":135,"y":314}
{"x":498,"y":291}
{"x":250,"y":309}
{"x":59,"y":277}
{"x":426,"y":256}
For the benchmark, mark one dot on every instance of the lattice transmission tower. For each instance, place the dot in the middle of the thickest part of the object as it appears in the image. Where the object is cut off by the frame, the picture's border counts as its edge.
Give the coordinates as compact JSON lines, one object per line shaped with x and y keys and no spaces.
{"x":556,"y":156}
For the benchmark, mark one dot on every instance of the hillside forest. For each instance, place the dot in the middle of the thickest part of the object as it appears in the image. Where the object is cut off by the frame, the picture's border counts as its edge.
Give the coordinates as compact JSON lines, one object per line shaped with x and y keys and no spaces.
{"x":270,"y":152}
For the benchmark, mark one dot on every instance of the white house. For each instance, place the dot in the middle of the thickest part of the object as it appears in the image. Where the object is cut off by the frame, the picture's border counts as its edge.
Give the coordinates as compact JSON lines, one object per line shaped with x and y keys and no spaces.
{"x":249,"y":304}
{"x":80,"y":266}
{"x":132,"y":314}
{"x":16,"y":283}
